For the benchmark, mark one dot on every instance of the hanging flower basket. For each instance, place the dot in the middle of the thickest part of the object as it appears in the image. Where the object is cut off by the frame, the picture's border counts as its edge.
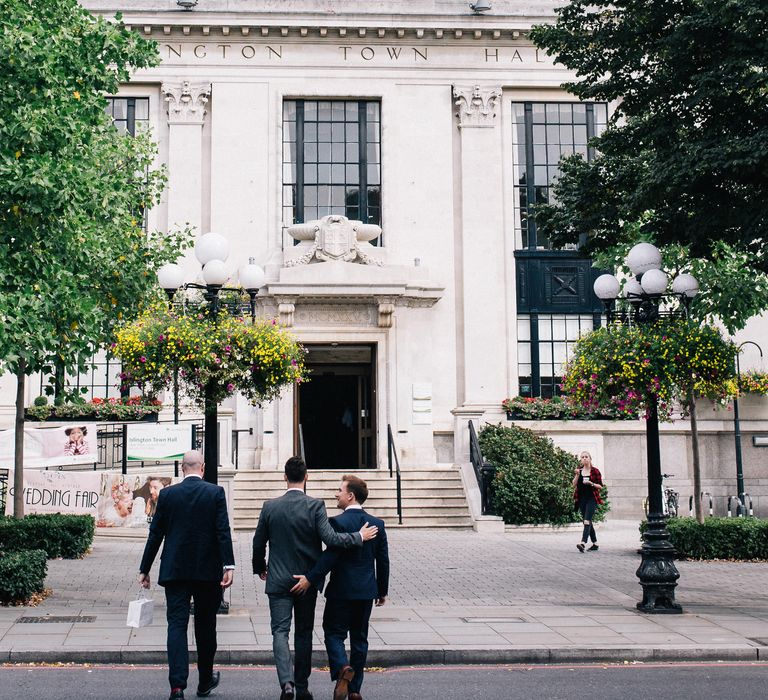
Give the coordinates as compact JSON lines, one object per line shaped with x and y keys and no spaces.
{"x":619,"y":367}
{"x":225,"y":355}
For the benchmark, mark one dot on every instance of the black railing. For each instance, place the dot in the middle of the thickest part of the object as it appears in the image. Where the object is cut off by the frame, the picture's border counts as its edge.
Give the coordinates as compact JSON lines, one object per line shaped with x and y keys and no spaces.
{"x":392,"y":458}
{"x":484,"y":472}
{"x":236,"y":444}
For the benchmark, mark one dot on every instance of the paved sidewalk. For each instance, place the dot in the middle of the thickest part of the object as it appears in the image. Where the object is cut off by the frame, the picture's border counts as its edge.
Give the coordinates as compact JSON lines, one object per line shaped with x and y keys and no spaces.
{"x":455,"y":597}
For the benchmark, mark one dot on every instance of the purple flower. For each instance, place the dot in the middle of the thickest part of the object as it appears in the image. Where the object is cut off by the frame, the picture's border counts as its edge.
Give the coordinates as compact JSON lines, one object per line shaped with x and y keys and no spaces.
{"x":142,"y":359}
{"x":230,"y":387}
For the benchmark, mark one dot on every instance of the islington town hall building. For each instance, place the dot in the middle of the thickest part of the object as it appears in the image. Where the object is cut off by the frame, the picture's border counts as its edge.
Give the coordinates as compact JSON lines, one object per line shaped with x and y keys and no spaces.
{"x":437,"y":127}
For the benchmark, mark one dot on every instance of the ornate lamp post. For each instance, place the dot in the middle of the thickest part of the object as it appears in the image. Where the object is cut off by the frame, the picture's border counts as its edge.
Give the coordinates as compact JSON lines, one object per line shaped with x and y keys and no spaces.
{"x":212,"y":251}
{"x":648,"y":300}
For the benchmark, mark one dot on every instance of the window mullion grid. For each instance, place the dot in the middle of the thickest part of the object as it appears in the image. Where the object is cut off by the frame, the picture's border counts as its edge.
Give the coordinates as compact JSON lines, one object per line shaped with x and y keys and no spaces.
{"x":362,"y":135}
{"x":131,"y":116}
{"x":299,"y":184}
{"x":590,"y":130}
{"x":529,"y":171}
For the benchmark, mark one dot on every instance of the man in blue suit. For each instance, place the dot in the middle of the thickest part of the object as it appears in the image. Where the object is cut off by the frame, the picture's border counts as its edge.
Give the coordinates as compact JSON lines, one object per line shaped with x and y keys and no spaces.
{"x":358,"y":578}
{"x":197,"y":563}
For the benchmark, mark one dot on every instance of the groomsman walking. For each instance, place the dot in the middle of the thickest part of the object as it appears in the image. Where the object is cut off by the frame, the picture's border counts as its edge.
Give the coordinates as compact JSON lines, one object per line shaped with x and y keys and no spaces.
{"x":295,"y":526}
{"x":358,"y":578}
{"x":197,"y":564}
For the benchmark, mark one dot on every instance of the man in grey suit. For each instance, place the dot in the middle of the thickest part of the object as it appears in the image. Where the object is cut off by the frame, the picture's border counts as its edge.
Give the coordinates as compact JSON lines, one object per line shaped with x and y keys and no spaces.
{"x":295,"y":526}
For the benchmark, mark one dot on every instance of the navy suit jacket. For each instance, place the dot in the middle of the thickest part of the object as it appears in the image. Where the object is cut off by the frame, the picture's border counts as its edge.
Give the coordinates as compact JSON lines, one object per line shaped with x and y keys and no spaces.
{"x":356,"y":574}
{"x":192,"y":519}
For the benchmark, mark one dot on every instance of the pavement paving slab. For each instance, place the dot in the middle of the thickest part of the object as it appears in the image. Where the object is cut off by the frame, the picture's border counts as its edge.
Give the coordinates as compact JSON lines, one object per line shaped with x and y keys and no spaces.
{"x":455,"y":597}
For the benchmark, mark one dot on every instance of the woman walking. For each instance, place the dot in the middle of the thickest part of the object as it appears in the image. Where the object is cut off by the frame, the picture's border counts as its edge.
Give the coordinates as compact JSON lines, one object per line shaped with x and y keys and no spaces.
{"x":587,"y":482}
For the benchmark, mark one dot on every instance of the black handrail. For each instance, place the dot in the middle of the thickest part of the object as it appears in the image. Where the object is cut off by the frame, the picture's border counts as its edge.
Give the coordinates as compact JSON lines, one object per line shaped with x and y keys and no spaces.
{"x":484,"y":472}
{"x":392,"y":451}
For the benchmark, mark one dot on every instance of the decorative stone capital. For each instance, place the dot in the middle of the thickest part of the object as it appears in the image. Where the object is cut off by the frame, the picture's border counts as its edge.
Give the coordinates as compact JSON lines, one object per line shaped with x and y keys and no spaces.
{"x":476,"y":106}
{"x":333,"y":238}
{"x":186,"y":101}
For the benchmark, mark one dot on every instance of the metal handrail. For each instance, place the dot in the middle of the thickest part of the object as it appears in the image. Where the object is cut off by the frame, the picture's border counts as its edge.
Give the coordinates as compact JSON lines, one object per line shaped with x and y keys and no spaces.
{"x":392,"y":452}
{"x":302,"y":454}
{"x":484,"y":472}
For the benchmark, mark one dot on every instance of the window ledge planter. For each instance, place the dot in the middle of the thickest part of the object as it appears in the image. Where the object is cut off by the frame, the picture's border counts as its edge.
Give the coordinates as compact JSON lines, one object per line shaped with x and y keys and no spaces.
{"x":96,"y":411}
{"x":522,"y":408}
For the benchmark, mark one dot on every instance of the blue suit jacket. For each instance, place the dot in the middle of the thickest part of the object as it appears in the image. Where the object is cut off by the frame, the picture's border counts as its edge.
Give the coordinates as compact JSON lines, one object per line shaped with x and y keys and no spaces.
{"x":356,"y":574}
{"x":192,"y":519}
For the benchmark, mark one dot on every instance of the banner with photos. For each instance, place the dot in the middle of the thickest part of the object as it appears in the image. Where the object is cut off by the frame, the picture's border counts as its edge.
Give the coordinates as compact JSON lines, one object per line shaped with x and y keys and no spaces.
{"x":114,"y":500}
{"x":51,"y":445}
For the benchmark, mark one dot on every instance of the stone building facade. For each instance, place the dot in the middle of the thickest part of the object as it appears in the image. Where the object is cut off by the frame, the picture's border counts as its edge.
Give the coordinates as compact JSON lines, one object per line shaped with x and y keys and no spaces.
{"x":439,"y":126}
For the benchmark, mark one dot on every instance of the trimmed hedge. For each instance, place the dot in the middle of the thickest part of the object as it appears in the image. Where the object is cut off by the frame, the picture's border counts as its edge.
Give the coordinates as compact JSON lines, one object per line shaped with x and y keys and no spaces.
{"x":718,"y":538}
{"x":22,"y":573}
{"x":67,"y":536}
{"x":533,"y":482}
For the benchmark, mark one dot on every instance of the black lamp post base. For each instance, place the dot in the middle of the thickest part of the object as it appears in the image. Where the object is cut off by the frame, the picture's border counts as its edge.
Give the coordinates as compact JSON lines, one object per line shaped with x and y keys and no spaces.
{"x":657,"y":571}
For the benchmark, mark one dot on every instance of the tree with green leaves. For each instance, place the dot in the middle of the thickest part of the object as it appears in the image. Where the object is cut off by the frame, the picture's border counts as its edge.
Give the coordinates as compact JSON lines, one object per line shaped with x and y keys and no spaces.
{"x":686,"y":150}
{"x":74,"y":255}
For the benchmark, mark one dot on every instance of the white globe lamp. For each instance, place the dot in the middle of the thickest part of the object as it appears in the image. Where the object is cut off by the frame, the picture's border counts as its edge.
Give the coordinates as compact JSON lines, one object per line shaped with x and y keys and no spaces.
{"x":606,"y":287}
{"x":170,"y":277}
{"x":251,"y":276}
{"x":685,"y":285}
{"x":632,"y":289}
{"x":643,"y":257}
{"x":654,"y":282}
{"x":211,"y":246}
{"x":215,"y":273}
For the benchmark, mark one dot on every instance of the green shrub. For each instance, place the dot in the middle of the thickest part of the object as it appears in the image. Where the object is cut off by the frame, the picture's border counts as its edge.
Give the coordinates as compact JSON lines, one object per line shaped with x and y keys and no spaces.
{"x":533,"y":482}
{"x":22,"y":573}
{"x":67,"y":536}
{"x":718,"y":538}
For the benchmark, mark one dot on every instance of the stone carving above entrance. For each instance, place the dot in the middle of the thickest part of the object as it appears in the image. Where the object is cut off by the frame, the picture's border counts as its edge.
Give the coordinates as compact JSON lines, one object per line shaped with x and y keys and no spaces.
{"x":477,"y":106}
{"x":333,"y":238}
{"x":186,"y":101}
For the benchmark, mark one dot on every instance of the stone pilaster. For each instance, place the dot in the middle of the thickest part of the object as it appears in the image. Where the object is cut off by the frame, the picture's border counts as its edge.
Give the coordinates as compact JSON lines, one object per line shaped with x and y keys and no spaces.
{"x":484,"y":333}
{"x":186,"y":116}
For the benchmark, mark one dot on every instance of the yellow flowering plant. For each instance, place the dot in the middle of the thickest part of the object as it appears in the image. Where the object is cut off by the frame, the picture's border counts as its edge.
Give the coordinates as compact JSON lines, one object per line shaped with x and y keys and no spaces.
{"x":257,"y":359}
{"x":619,"y":367}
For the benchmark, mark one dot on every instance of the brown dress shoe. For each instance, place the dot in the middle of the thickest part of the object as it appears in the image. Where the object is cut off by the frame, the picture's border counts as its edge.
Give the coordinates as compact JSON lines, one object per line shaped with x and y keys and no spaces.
{"x":342,"y":683}
{"x":355,"y":696}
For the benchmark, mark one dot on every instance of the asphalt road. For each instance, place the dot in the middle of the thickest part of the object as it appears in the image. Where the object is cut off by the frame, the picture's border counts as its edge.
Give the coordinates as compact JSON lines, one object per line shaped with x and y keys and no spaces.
{"x":707,"y":681}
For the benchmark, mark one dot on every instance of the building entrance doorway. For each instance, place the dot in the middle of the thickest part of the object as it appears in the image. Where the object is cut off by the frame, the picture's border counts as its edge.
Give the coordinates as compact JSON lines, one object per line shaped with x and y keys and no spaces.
{"x":335,"y":409}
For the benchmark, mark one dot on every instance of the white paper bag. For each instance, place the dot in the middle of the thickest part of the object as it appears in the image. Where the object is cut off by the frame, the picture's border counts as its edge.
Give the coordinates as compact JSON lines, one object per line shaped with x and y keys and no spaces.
{"x":140,"y":611}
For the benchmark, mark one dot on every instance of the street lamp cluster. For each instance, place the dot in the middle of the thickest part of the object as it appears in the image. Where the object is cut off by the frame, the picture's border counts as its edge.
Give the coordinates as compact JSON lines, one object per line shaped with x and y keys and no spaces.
{"x":212,"y":251}
{"x":648,"y":297}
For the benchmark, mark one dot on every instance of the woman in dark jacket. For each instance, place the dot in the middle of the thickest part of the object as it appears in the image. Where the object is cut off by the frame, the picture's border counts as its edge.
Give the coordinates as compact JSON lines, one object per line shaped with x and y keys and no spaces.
{"x":587,"y":482}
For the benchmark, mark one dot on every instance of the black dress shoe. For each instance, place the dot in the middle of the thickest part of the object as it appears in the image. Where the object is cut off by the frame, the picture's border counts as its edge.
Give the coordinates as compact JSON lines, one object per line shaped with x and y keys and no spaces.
{"x":204,"y":689}
{"x":176,"y":694}
{"x":289,"y":692}
{"x":593,"y":548}
{"x":304,"y":695}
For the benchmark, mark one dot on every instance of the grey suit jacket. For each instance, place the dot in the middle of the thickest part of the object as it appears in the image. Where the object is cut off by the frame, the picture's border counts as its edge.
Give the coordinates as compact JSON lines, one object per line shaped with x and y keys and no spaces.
{"x":294,"y":526}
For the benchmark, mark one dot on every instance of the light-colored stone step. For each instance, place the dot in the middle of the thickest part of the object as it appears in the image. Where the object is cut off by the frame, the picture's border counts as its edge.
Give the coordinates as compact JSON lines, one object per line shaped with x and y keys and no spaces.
{"x":430,"y":497}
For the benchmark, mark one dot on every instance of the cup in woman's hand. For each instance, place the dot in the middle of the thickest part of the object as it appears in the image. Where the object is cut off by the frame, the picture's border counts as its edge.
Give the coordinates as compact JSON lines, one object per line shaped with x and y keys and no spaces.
{"x":585,"y":479}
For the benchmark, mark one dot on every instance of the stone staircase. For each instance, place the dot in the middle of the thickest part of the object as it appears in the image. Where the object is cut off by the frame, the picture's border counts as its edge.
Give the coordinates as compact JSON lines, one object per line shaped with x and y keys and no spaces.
{"x":432,"y":498}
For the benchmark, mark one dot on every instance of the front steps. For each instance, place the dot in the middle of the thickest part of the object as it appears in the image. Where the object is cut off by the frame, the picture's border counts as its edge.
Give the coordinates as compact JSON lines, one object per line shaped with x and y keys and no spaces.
{"x":431,"y":498}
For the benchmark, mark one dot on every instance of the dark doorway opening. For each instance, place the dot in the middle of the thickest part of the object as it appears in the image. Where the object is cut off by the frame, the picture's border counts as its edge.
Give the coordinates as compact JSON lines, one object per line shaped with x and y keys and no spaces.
{"x":335,"y":409}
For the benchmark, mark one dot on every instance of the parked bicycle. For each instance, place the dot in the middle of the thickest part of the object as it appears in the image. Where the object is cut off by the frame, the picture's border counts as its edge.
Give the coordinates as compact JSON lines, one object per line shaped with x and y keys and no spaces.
{"x":670,"y":503}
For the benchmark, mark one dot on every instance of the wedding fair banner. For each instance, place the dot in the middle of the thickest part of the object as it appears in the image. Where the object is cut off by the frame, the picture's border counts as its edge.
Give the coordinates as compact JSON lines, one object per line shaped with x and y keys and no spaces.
{"x":114,"y":500}
{"x":160,"y":443}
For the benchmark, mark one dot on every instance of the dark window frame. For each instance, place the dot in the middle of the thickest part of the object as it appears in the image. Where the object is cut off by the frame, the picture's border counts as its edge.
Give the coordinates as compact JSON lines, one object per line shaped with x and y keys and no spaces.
{"x":367,"y":205}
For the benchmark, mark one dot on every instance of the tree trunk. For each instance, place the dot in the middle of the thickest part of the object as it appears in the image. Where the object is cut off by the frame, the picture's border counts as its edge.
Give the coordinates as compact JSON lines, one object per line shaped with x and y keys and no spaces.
{"x":18,"y":453}
{"x":696,"y":460}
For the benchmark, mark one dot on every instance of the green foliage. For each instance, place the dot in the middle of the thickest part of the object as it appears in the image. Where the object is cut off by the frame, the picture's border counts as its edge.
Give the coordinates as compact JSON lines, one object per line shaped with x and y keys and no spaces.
{"x":718,"y":538}
{"x":40,"y":401}
{"x":74,"y":257}
{"x":556,"y":408}
{"x":753,"y":382}
{"x":133,"y":408}
{"x":258,"y":359}
{"x":621,"y":366}
{"x":533,"y":482}
{"x":67,"y":536}
{"x":686,"y":152}
{"x":22,"y":573}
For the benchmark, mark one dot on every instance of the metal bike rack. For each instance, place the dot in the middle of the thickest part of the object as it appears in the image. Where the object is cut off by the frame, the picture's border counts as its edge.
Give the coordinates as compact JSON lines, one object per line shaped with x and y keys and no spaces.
{"x":746,"y":498}
{"x":739,"y":507}
{"x":711,"y":503}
